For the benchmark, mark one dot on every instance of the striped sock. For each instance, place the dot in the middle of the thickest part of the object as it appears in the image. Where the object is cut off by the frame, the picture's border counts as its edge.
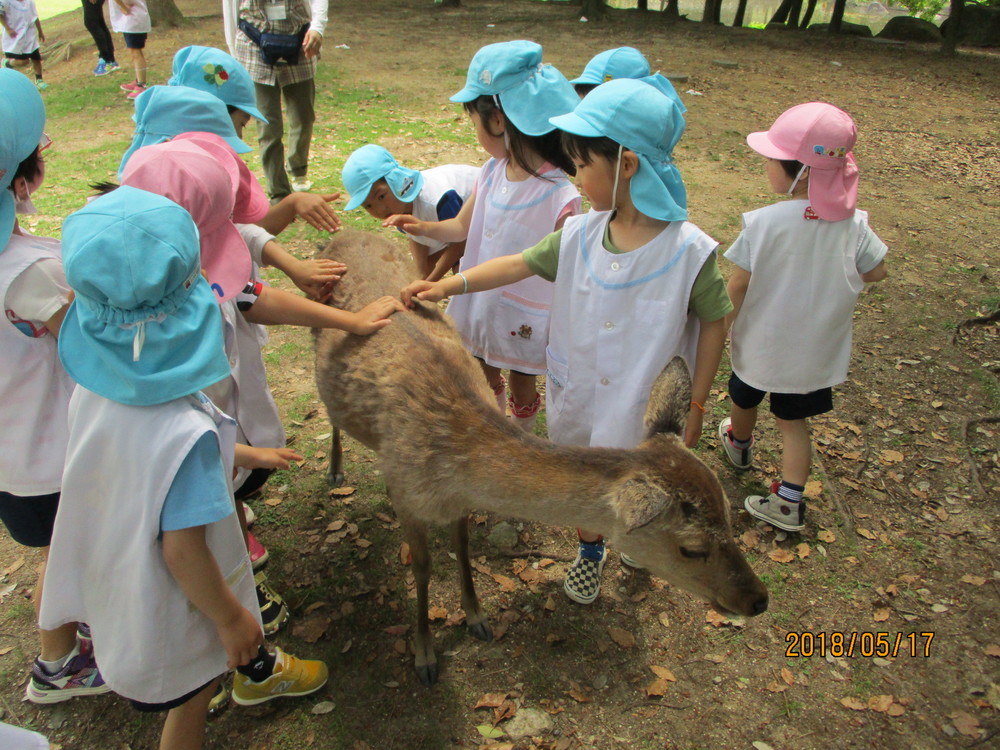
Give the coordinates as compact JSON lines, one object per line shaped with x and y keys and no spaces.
{"x":791,"y":492}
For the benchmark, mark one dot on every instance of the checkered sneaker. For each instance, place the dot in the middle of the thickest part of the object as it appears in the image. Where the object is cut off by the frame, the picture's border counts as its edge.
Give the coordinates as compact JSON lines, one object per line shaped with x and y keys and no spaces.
{"x":583,"y":581}
{"x":741,"y":458}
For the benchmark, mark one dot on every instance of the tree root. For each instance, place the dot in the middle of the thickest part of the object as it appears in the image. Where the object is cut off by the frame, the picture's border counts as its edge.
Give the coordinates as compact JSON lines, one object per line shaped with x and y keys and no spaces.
{"x":973,"y":469}
{"x":845,"y":512}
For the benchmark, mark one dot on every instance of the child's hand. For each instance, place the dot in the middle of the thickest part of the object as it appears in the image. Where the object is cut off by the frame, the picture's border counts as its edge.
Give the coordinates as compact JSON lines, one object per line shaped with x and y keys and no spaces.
{"x":317,"y":276}
{"x":374,"y":316}
{"x":408,"y":223}
{"x":315,"y":209}
{"x":241,"y":637}
{"x":248,"y":457}
{"x":694,"y":425}
{"x":428,"y":291}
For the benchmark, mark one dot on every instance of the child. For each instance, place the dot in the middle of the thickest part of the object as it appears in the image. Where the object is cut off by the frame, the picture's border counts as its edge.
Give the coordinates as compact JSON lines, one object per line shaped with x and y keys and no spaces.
{"x":635,"y":285}
{"x":801,"y":264}
{"x":34,"y":389}
{"x":621,"y":62}
{"x":522,"y":194}
{"x":382,"y":187}
{"x":131,"y":18}
{"x":21,"y":33}
{"x":147,"y":547}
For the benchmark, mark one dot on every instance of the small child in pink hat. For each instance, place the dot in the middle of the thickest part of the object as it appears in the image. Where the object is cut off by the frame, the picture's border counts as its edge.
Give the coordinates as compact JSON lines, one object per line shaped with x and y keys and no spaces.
{"x":800,"y":265}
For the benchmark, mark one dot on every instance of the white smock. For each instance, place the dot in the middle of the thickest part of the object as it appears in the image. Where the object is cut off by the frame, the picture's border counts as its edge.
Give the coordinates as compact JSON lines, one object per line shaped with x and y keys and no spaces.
{"x":509,"y":327}
{"x":21,"y":16}
{"x":437,"y":182}
{"x":793,"y":331}
{"x":106,"y":566}
{"x":135,"y":22}
{"x":617,"y":321}
{"x":34,"y":387}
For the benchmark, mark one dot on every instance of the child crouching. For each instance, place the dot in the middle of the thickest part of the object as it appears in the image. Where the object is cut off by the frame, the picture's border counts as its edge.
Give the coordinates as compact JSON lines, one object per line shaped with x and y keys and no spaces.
{"x":147,"y":548}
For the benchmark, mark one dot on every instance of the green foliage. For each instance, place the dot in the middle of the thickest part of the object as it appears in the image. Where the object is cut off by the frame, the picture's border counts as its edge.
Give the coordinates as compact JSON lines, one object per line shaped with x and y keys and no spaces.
{"x":925,"y":9}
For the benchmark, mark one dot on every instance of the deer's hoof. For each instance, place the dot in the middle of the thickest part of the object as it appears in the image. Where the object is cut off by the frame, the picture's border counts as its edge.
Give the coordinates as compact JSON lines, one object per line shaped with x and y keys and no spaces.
{"x":482,"y":631}
{"x":335,"y":480}
{"x":427,"y":674}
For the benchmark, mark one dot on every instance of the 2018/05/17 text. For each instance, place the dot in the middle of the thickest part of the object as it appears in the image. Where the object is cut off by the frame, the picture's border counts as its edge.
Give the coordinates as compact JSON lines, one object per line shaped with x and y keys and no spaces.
{"x":807,"y":644}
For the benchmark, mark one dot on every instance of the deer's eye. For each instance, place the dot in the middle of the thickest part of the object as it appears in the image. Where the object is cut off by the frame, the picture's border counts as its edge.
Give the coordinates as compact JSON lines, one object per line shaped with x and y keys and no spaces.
{"x":694,"y":554}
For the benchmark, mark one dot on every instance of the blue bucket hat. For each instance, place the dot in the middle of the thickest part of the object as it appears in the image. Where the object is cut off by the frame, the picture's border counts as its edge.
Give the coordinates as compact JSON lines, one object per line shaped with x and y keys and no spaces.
{"x":621,"y":62}
{"x":221,"y":75}
{"x":643,"y":120}
{"x":371,"y":163}
{"x":530,"y":92}
{"x":161,"y":112}
{"x":20,"y":133}
{"x":144,"y":327}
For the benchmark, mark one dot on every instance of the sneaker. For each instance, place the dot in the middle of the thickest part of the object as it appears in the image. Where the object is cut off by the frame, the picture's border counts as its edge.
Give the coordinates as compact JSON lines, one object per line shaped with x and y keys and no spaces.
{"x":301,"y":185}
{"x":583,"y":581}
{"x":42,"y":85}
{"x":292,"y":677}
{"x":134,"y":93}
{"x":113,"y":66}
{"x":777,"y":511}
{"x":6,"y":63}
{"x":258,"y":552}
{"x":273,"y":612}
{"x":741,"y":458}
{"x":101,"y":69}
{"x":220,"y":700}
{"x":86,"y":639}
{"x":630,"y":561}
{"x":251,"y":517}
{"x":79,"y":676}
{"x":131,"y":86}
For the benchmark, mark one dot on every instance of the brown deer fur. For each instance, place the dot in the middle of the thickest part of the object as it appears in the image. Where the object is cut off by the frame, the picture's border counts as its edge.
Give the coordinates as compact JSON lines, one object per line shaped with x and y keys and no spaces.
{"x":412,"y":393}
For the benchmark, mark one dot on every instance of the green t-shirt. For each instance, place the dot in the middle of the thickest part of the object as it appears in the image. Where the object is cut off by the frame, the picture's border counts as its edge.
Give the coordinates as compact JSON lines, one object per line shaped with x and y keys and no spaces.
{"x":709,"y":298}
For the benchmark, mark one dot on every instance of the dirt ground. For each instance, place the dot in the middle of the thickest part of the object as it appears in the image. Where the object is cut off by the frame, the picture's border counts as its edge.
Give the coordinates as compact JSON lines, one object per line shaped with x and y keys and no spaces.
{"x":901,"y":537}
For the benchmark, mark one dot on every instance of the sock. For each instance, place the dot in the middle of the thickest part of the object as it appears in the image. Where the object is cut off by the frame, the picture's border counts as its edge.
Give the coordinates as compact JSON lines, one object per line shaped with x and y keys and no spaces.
{"x":260,"y":667}
{"x":791,"y":492}
{"x":52,"y":667}
{"x":741,"y":444}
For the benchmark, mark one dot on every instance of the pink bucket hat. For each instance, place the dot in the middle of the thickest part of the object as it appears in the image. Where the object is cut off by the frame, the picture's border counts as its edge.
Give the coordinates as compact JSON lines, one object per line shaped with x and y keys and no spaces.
{"x":820,"y":136}
{"x":191,"y":177}
{"x":250,"y":202}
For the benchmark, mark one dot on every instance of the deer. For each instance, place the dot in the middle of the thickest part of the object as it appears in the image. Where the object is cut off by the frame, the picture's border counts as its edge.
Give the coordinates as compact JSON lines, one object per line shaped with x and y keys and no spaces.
{"x":412,"y":394}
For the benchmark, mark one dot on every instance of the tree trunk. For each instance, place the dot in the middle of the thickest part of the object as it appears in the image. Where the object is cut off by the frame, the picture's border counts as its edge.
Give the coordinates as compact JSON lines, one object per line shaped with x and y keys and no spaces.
{"x":642,"y":5}
{"x":838,"y":16}
{"x":164,"y":13}
{"x":592,"y":9}
{"x":781,"y":14}
{"x":673,"y":9}
{"x":952,"y":34}
{"x":710,"y":14}
{"x":809,"y":14}
{"x":741,"y":10}
{"x":793,"y":13}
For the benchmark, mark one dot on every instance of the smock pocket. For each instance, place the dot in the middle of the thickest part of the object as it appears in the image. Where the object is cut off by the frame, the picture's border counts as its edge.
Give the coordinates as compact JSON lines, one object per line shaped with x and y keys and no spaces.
{"x":520,"y":334}
{"x":557,"y":382}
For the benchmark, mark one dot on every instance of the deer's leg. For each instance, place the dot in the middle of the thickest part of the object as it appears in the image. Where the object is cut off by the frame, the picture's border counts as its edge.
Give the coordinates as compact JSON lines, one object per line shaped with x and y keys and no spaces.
{"x":423,"y":645}
{"x":335,"y":474}
{"x":475,"y":618}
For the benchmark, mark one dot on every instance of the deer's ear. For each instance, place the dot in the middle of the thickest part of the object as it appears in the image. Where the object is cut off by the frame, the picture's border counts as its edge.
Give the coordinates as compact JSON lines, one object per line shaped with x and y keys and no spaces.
{"x":637,"y":501}
{"x":670,"y":400}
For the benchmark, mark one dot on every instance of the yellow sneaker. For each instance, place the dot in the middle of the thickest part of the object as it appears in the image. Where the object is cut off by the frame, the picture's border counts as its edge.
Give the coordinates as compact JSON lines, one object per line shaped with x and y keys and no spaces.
{"x":291,"y":677}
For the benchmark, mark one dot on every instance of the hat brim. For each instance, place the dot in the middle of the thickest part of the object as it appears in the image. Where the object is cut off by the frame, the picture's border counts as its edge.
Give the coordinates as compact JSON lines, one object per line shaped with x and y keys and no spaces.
{"x":530,"y":104}
{"x":359,"y":196}
{"x":226,"y":260}
{"x":651,"y":195}
{"x":181,"y":355}
{"x":7,"y":216}
{"x":573,"y":123}
{"x":833,"y":193}
{"x":762,"y":144}
{"x":467,"y":94}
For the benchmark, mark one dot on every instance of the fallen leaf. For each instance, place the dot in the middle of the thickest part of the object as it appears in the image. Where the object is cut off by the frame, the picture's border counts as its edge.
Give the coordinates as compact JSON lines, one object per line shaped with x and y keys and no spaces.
{"x":826,"y":536}
{"x":336,"y":525}
{"x":758,"y":745}
{"x":895,"y":710}
{"x":802,"y":550}
{"x":622,"y":637}
{"x":939,"y":608}
{"x":6,"y":650}
{"x":974,"y":580}
{"x":363,"y":543}
{"x":880,"y":703}
{"x":715,"y":619}
{"x":14,"y":566}
{"x":550,"y":604}
{"x":404,"y":554}
{"x":346,"y":647}
{"x":992,"y":650}
{"x":489,"y":731}
{"x":506,"y":584}
{"x":866,"y":533}
{"x":342,"y":491}
{"x":781,"y":555}
{"x":399,"y":646}
{"x":311,"y":629}
{"x":663,"y":673}
{"x":490,"y":700}
{"x":814,"y":489}
{"x":391,"y":684}
{"x":657,"y":688}
{"x":323,"y":707}
{"x":787,"y":676}
{"x":437,"y":613}
{"x":715,"y":658}
{"x":890,"y":456}
{"x":385,"y":518}
{"x":271,"y":502}
{"x":664,"y":619}
{"x":881,"y":614}
{"x":853,"y":703}
{"x":397,"y":629}
{"x":579,"y":696}
{"x":750,"y":538}
{"x":776,"y":687}
{"x":966,"y":723}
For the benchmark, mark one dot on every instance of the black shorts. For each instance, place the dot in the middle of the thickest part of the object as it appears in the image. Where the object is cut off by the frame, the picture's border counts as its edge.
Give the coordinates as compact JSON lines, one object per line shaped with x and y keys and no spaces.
{"x":787,"y":406}
{"x":150,"y":708}
{"x":135,"y":41}
{"x":36,"y":55}
{"x":29,"y":519}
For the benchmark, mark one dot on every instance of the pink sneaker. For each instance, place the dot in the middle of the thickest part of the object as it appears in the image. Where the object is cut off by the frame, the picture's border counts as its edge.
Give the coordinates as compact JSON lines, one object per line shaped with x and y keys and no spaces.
{"x":131,"y":86}
{"x":258,"y":553}
{"x":136,"y":91}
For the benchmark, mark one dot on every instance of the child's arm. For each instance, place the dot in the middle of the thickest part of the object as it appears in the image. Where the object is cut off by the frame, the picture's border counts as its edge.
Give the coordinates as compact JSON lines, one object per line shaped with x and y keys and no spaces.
{"x":38,"y":27}
{"x":488,"y":275}
{"x":711,"y":339}
{"x":277,"y":307}
{"x":420,"y":257}
{"x":125,"y":6}
{"x":249,"y":457}
{"x":449,"y":230}
{"x":737,"y":289}
{"x":196,"y":571}
{"x":876,"y":274}
{"x":446,"y":260}
{"x":6,"y":27}
{"x":313,"y":207}
{"x":315,"y":276}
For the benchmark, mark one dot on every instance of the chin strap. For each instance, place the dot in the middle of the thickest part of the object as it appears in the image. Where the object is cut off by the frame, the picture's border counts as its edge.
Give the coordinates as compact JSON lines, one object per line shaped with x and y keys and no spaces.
{"x":618,"y":170}
{"x":798,"y":177}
